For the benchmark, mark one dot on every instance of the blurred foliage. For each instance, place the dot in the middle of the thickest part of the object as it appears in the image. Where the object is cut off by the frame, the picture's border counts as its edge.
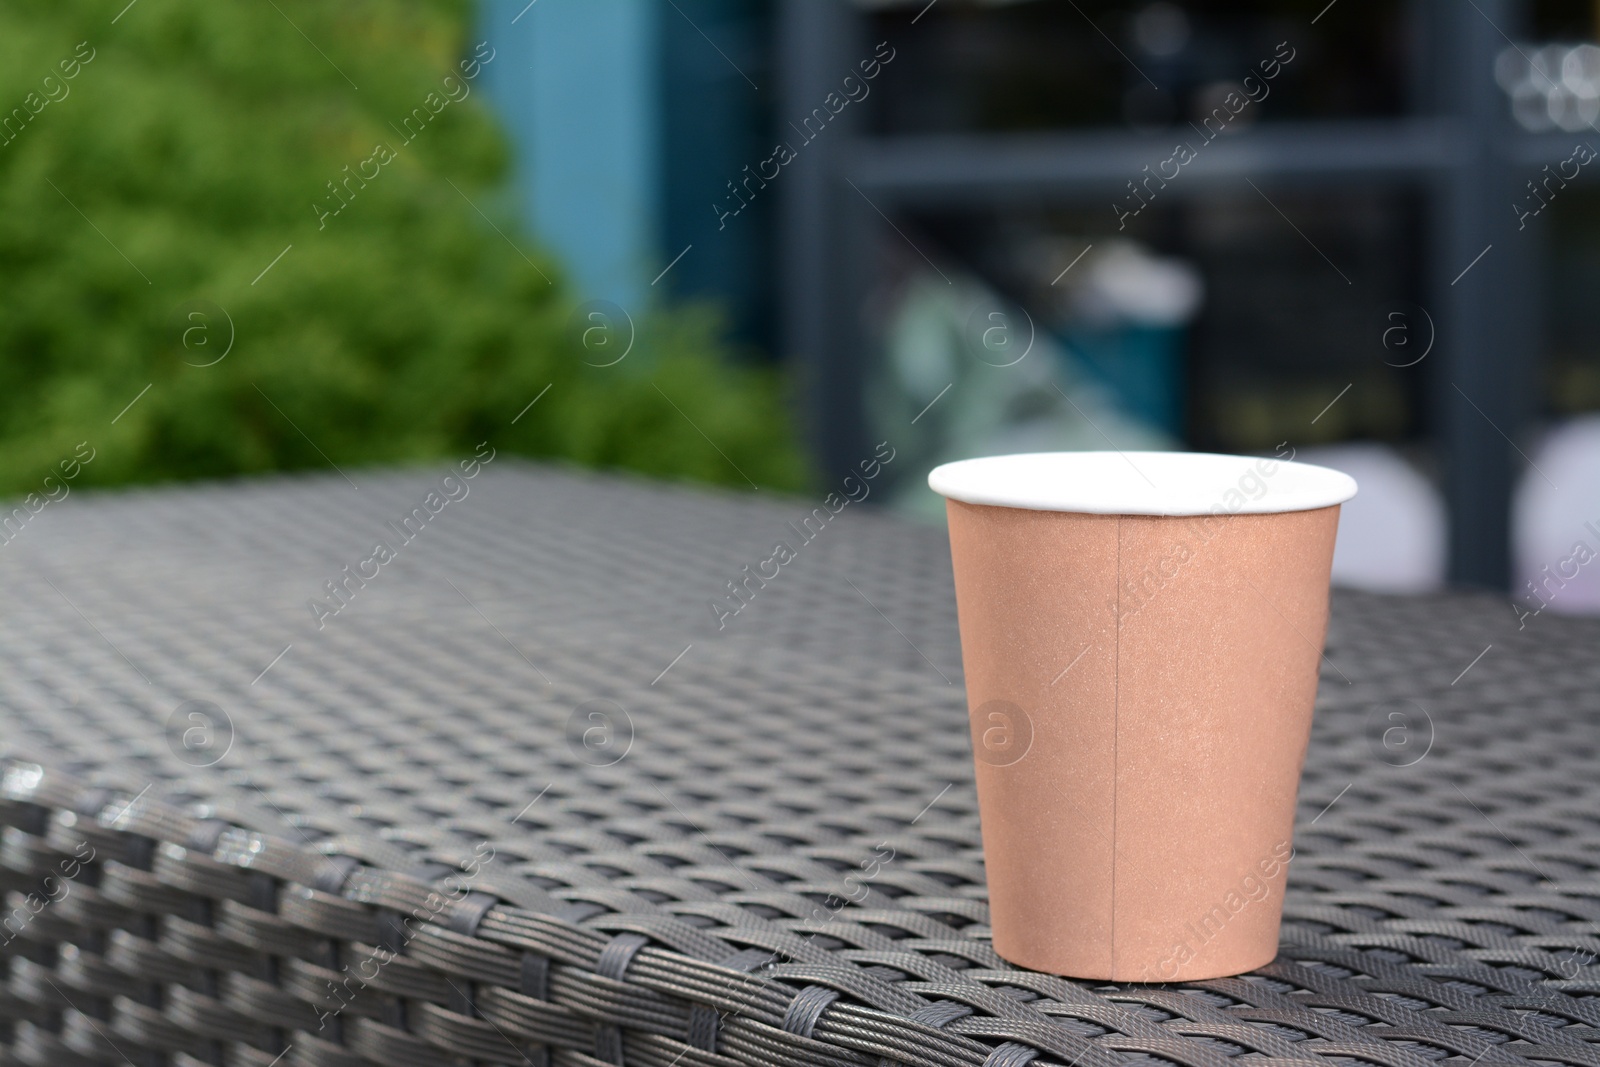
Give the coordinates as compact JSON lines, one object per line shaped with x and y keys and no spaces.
{"x":189,"y":151}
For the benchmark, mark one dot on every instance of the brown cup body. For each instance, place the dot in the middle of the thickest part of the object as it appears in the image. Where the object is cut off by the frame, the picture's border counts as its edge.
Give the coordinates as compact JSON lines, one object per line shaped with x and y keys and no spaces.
{"x":1140,"y":690}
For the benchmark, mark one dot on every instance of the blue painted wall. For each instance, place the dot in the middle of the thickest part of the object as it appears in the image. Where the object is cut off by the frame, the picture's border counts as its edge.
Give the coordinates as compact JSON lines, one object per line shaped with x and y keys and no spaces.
{"x":628,"y":119}
{"x":578,"y":84}
{"x":717,"y":123}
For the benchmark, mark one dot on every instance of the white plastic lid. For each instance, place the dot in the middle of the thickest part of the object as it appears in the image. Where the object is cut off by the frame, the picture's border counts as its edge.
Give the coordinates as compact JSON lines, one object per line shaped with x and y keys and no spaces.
{"x":1142,"y":483}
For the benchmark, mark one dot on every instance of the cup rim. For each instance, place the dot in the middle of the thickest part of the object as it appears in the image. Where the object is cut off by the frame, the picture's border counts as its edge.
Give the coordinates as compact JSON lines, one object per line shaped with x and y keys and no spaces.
{"x":1142,"y":483}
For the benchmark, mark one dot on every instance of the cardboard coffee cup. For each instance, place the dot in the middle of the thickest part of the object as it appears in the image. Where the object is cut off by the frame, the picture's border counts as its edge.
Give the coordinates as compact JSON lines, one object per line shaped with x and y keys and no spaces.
{"x":1141,"y":634}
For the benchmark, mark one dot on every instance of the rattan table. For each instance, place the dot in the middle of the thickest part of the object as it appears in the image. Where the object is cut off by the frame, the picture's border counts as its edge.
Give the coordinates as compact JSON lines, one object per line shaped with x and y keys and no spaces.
{"x":517,"y":794}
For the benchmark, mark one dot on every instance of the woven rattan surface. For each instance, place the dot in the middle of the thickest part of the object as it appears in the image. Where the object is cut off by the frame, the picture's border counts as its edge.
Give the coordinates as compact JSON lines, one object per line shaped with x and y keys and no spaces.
{"x":520,"y":801}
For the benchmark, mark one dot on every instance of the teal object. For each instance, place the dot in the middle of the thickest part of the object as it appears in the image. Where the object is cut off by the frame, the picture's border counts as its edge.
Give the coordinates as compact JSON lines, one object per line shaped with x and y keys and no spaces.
{"x":1141,"y":365}
{"x":577,"y":82}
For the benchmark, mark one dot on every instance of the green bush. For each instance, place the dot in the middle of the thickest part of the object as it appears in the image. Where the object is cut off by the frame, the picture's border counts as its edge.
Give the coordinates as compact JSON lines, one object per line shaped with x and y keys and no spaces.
{"x":187,"y":150}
